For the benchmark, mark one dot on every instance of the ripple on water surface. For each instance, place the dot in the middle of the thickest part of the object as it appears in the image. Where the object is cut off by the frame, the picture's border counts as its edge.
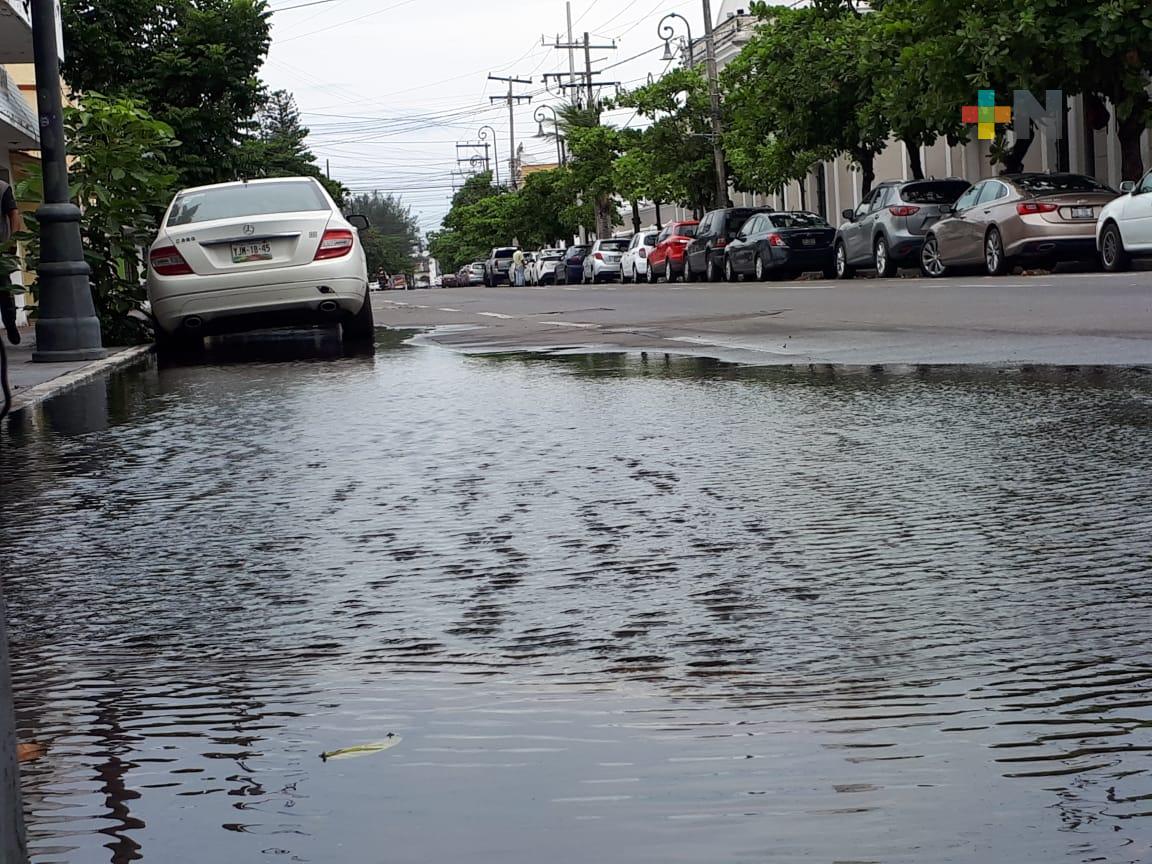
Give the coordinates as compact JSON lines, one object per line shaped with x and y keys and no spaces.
{"x":618,"y":609}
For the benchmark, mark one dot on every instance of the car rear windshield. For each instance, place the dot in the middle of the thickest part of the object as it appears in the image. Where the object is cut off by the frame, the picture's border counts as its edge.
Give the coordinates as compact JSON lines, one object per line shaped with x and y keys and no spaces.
{"x":650,"y":239}
{"x":251,"y":199}
{"x":686,"y":231}
{"x":615,"y":245}
{"x":576,"y":250}
{"x":503,"y":253}
{"x":934,"y":192}
{"x":797,"y":220}
{"x":1054,"y":184}
{"x":737,"y":218}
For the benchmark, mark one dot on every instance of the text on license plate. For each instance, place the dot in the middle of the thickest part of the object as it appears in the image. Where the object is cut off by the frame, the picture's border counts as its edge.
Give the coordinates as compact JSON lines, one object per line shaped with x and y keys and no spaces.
{"x":1083,"y":213}
{"x":243,"y":253}
{"x":809,"y":241}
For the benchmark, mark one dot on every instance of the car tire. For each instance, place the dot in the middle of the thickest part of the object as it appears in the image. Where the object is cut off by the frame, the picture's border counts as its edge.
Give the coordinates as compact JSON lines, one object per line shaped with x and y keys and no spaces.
{"x":885,"y":266}
{"x":930,"y":263}
{"x":652,"y":277}
{"x":669,"y":273}
{"x":995,"y":261}
{"x":762,"y":271}
{"x":710,"y":272}
{"x":730,"y":274}
{"x":362,"y":326}
{"x":178,"y":344}
{"x":843,"y":269}
{"x":1113,"y":257}
{"x":689,"y":276}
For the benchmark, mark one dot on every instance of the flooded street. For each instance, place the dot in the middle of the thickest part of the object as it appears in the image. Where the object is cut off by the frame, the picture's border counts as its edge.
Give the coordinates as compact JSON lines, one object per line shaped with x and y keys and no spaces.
{"x":617,"y":609}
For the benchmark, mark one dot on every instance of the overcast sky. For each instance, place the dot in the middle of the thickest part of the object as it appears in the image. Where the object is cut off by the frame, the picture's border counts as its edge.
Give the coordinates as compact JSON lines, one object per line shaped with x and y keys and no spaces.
{"x":388,"y":87}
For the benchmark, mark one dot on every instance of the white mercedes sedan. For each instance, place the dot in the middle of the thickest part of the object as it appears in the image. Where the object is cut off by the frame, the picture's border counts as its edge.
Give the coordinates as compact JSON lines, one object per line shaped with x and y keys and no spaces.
{"x":250,"y":255}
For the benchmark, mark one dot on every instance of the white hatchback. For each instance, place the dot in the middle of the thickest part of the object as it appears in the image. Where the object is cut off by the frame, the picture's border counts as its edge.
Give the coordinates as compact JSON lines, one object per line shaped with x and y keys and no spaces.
{"x":262,"y":253}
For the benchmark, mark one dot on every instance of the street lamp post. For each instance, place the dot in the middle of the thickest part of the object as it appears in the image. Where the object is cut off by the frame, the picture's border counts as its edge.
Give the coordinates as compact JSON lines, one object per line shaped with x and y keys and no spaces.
{"x":67,"y":329}
{"x":539,"y":118}
{"x":667,"y":32}
{"x":485,"y":131}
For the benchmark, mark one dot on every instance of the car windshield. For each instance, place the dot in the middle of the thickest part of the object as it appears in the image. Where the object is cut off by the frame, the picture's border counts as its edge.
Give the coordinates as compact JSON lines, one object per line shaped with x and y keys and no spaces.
{"x":797,"y":220}
{"x":737,"y":218}
{"x":686,"y":231}
{"x":552,"y":256}
{"x":477,"y":266}
{"x":576,"y":250}
{"x":615,"y":245}
{"x":935,"y":192}
{"x":249,"y":199}
{"x":650,"y":239}
{"x":1054,"y":184}
{"x":503,"y":253}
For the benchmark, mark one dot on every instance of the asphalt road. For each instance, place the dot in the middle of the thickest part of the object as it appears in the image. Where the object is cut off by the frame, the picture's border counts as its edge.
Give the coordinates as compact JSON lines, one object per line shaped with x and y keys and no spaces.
{"x":1064,"y":319}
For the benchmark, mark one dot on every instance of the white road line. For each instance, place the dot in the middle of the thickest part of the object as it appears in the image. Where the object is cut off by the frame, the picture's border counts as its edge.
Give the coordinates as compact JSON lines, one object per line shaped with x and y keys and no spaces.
{"x":497,"y":315}
{"x":446,"y":309}
{"x":570,"y":324}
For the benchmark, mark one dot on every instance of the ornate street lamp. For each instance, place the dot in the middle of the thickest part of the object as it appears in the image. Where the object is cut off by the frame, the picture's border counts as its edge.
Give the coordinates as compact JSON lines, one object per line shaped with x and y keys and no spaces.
{"x":484,"y":132}
{"x":667,"y":32}
{"x":539,"y":117}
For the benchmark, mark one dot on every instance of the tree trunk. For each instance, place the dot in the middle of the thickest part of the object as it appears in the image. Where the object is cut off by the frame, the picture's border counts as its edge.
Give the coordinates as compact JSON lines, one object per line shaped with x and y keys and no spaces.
{"x":603,"y":218}
{"x":659,"y":218}
{"x":636,"y":216}
{"x":1131,"y":159}
{"x":1014,"y":159}
{"x":915,"y":164}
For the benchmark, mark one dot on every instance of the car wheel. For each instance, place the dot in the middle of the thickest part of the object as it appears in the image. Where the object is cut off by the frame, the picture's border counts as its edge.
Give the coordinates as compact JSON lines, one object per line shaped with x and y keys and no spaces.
{"x":180,"y":343}
{"x":711,"y":274}
{"x":995,"y":260}
{"x":730,"y":272}
{"x":652,"y":277}
{"x":1112,"y":254}
{"x":844,"y":270}
{"x":361,"y":327}
{"x":930,"y":263}
{"x":885,"y":266}
{"x":761,"y":272}
{"x":669,"y":275}
{"x":689,"y":276}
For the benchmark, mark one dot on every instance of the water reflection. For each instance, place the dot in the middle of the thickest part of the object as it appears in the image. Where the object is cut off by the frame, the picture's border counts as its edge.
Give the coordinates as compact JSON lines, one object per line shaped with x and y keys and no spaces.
{"x":620,"y":608}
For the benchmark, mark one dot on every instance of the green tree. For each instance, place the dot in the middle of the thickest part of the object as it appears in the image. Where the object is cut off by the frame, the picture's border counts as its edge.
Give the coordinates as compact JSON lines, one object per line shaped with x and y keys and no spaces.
{"x":278,"y":147}
{"x":193,"y":64}
{"x":121,"y":176}
{"x":390,"y":242}
{"x":593,"y":149}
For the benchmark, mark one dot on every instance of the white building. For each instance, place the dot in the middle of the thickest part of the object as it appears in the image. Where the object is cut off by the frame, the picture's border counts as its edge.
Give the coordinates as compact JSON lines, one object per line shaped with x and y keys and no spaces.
{"x":836,"y":186}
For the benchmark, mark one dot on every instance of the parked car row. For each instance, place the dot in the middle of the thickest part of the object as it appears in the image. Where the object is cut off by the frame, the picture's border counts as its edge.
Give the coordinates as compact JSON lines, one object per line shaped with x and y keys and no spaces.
{"x":938,"y":225}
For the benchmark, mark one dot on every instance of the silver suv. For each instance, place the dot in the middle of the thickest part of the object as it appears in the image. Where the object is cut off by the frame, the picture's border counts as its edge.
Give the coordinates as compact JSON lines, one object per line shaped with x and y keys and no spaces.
{"x":886,"y":232}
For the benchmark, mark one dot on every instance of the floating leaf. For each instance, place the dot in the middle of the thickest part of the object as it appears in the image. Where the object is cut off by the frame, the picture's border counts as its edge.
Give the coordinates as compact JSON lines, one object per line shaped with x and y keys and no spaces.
{"x":362,"y":750}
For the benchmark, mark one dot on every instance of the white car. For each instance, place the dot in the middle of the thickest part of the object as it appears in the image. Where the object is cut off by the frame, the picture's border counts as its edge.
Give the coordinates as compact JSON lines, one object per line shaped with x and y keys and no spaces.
{"x":1124,"y":231}
{"x":634,"y":264}
{"x":262,"y":253}
{"x":542,"y":270}
{"x":603,"y":261}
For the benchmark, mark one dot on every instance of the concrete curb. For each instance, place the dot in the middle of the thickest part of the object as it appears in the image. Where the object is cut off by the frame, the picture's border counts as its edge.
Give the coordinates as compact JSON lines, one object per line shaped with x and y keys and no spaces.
{"x":35,"y":395}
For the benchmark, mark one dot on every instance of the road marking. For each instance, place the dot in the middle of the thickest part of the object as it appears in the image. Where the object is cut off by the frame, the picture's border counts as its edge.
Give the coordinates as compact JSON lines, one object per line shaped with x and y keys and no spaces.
{"x":496,"y":315}
{"x":446,"y":309}
{"x":570,"y":324}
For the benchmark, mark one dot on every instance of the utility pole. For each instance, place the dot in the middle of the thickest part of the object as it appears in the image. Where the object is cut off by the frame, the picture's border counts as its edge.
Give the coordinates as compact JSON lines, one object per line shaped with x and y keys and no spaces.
{"x":479,"y":145}
{"x":513,"y":100}
{"x":717,"y":119}
{"x":571,"y":51}
{"x":589,"y":77}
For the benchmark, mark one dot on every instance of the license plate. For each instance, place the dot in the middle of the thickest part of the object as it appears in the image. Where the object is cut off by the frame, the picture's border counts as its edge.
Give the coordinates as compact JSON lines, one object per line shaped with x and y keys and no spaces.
{"x":1083,"y":213}
{"x":809,"y":241}
{"x":245,"y":253}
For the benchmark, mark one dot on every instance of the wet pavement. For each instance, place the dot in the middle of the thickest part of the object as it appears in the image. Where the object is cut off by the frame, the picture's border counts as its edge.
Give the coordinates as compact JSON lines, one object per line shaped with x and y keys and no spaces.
{"x":617,"y":609}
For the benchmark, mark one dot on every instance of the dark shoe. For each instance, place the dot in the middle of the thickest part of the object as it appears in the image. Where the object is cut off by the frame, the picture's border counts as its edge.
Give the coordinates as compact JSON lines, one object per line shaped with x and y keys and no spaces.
{"x":13,"y":333}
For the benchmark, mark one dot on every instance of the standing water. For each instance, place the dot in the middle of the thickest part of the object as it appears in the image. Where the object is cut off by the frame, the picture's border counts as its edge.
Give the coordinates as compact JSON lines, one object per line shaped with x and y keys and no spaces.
{"x":612,"y":609}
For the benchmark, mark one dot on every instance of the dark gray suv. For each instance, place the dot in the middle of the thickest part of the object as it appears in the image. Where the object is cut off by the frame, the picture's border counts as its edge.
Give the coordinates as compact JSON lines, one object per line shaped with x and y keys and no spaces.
{"x":887,"y":230}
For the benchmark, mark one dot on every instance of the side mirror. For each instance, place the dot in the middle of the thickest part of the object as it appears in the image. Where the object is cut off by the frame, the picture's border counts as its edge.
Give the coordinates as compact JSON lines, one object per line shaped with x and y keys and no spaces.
{"x":947,"y":209}
{"x":741,"y":236}
{"x":849,"y":215}
{"x":360,"y":223}
{"x":1128,"y":187}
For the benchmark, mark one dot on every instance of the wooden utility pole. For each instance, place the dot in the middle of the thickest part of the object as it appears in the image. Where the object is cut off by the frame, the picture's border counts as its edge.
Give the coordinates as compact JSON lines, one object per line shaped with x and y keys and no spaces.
{"x":513,"y":100}
{"x":717,"y":118}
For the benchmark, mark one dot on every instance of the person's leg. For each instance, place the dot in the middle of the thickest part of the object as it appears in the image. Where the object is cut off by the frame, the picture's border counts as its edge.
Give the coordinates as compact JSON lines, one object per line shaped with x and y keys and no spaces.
{"x":8,"y":309}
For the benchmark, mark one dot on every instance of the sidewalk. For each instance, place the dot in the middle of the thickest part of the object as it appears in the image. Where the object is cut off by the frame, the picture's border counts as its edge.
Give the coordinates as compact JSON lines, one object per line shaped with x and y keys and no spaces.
{"x":34,"y":382}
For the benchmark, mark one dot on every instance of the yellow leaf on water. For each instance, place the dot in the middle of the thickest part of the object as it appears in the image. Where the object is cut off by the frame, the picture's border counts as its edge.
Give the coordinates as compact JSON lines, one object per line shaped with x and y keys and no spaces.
{"x":362,"y":750}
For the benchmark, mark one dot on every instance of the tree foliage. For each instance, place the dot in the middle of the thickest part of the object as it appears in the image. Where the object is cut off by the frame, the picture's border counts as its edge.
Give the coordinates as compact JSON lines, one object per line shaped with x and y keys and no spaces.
{"x":121,"y":174}
{"x":192,"y":64}
{"x":394,"y":236}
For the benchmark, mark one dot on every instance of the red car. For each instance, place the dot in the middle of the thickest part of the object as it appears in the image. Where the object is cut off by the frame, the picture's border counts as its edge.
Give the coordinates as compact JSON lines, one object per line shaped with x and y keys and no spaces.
{"x":667,"y":259}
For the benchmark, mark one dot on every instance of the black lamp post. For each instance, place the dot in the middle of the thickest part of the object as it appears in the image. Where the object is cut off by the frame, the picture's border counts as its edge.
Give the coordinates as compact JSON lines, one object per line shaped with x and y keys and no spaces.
{"x":484,"y":132}
{"x":539,"y":117}
{"x":667,"y":32}
{"x":67,"y":329}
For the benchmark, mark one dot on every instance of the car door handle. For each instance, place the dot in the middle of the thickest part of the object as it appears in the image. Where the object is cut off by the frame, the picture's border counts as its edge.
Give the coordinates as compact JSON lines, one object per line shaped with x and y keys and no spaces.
{"x":989,"y":210}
